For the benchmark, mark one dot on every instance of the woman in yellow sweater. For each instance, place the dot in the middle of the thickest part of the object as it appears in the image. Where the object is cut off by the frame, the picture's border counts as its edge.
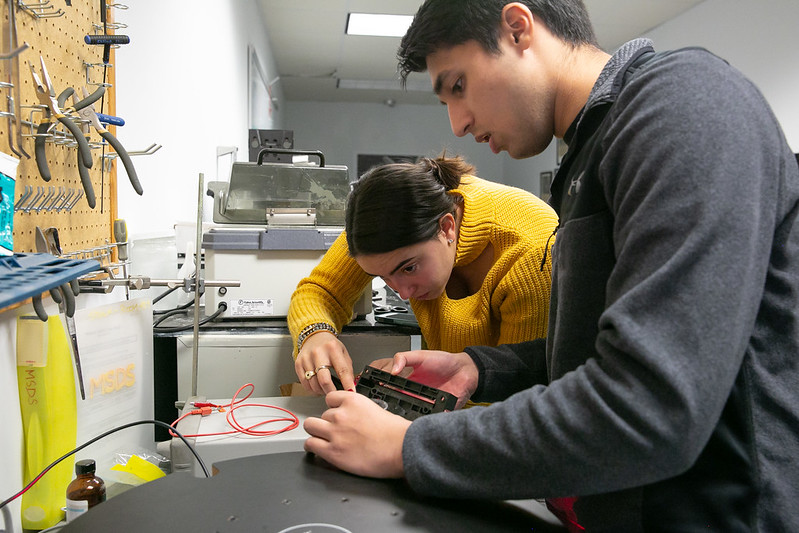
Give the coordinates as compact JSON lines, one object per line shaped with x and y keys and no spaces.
{"x":467,"y":253}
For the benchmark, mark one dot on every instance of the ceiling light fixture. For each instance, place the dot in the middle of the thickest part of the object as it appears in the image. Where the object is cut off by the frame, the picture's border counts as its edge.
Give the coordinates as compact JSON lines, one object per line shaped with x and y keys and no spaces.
{"x":378,"y":25}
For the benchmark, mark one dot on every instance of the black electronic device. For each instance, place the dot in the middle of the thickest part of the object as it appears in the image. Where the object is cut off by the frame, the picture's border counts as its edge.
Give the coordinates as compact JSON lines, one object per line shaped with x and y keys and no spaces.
{"x":402,"y":396}
{"x":396,"y":311}
{"x":400,"y":319}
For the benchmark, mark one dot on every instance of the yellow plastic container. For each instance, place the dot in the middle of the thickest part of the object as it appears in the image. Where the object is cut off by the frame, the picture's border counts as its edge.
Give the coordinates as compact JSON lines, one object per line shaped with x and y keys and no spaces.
{"x":49,"y":416}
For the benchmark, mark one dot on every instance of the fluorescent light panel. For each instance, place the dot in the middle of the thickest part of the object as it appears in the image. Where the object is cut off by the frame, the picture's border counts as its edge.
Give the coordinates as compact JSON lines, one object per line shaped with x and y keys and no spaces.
{"x":378,"y":25}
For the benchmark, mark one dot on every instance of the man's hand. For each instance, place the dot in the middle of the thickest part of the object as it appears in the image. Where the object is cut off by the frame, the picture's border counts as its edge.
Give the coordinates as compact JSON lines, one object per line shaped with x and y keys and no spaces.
{"x":357,"y":435}
{"x":387,"y":364}
{"x":455,"y":373}
{"x":320,"y":350}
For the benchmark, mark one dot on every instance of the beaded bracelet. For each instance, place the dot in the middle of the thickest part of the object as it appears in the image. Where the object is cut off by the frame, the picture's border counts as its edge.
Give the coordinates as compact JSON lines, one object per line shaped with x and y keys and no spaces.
{"x":310,"y":329}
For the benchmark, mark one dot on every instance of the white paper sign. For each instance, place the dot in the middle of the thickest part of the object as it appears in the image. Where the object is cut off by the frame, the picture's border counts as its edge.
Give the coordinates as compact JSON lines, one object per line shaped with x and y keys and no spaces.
{"x":115,"y":343}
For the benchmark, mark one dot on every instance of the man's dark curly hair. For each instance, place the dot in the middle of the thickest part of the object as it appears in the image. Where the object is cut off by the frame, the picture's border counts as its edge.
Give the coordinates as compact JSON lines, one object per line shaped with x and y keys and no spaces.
{"x":444,"y":23}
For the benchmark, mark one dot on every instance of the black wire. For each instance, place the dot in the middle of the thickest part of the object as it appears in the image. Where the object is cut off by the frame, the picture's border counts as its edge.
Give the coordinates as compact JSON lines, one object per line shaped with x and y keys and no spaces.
{"x":168,"y":314}
{"x":165,"y":293}
{"x":95,"y":439}
{"x":220,"y":309}
{"x":178,"y":308}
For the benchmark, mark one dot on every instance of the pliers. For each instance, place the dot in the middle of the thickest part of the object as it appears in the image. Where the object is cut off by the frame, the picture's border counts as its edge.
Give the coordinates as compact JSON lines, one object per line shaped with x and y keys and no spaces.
{"x":47,"y":241}
{"x":46,"y":95}
{"x":83,"y":171}
{"x":85,"y":109}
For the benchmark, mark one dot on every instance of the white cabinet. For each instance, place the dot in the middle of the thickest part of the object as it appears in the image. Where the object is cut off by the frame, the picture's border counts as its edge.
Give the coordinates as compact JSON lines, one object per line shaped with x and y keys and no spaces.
{"x":228,"y":360}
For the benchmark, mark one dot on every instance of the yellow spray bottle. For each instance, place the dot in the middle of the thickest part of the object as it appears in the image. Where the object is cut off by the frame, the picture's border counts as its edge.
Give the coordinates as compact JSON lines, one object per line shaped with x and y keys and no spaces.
{"x":49,"y":416}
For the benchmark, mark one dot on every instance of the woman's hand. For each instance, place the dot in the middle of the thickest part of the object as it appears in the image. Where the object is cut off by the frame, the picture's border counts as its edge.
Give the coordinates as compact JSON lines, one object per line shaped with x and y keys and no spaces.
{"x":320,"y":350}
{"x":455,"y":373}
{"x":357,"y":435}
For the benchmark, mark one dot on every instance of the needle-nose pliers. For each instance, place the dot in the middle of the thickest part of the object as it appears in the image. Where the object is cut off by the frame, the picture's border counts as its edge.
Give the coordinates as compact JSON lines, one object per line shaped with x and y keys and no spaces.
{"x":46,"y":95}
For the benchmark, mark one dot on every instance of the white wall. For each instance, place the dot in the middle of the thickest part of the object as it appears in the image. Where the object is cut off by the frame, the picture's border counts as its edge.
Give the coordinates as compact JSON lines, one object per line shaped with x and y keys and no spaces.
{"x":182,"y":82}
{"x":401,"y":130}
{"x":756,"y":36}
{"x":344,"y":130}
{"x":525,"y":173}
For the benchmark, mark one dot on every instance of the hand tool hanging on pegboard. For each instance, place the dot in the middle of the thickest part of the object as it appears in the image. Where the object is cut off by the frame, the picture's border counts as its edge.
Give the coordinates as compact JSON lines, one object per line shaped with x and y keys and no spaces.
{"x":85,"y":109}
{"x":121,"y":238}
{"x":14,"y":105}
{"x":107,"y":40}
{"x":46,"y":95}
{"x":47,"y":241}
{"x":83,"y":171}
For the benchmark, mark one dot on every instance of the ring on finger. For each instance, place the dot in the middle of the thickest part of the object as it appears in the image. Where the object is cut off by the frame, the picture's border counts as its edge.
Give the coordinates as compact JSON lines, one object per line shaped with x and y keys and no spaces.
{"x":322,"y":367}
{"x":309,"y":374}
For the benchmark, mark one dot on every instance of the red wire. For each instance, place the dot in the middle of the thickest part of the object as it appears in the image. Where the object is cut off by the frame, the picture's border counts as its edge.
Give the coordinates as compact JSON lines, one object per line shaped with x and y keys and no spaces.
{"x":32,"y":483}
{"x":237,"y":403}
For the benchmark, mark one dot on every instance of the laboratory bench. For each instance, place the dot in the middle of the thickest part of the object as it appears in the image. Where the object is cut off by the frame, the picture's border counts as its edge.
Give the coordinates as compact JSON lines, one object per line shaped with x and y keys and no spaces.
{"x":300,"y":492}
{"x":232,"y":353}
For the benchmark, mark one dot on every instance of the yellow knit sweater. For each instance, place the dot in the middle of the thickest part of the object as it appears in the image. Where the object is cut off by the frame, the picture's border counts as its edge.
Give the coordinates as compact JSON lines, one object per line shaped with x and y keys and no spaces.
{"x":512,"y":304}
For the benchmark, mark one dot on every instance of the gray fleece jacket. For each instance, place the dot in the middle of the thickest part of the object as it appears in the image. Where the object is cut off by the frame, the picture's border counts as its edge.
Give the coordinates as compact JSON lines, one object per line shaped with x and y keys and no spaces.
{"x":666,"y":396}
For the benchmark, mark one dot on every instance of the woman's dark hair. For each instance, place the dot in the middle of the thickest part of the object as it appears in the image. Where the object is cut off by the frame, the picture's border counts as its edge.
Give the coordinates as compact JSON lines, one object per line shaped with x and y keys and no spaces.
{"x":444,"y":23}
{"x":400,"y":204}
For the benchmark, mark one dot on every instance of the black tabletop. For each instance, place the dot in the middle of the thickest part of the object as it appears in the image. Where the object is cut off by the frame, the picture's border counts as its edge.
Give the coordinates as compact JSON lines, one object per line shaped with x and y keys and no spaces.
{"x":298,"y":493}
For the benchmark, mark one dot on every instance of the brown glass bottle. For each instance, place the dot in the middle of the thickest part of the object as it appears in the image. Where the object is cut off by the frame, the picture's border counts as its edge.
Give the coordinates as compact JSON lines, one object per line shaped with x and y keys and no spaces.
{"x":85,"y":491}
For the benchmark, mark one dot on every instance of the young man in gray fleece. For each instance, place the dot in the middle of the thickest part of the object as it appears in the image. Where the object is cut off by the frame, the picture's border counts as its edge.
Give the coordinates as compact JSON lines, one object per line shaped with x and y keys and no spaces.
{"x":666,"y":396}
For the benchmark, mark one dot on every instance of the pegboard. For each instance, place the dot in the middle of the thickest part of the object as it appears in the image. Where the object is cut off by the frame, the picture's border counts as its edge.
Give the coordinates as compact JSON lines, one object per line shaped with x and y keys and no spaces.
{"x":70,"y":62}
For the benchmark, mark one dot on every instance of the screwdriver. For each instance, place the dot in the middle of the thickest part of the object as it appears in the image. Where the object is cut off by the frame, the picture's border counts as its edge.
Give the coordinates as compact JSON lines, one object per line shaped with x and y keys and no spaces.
{"x":121,"y":238}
